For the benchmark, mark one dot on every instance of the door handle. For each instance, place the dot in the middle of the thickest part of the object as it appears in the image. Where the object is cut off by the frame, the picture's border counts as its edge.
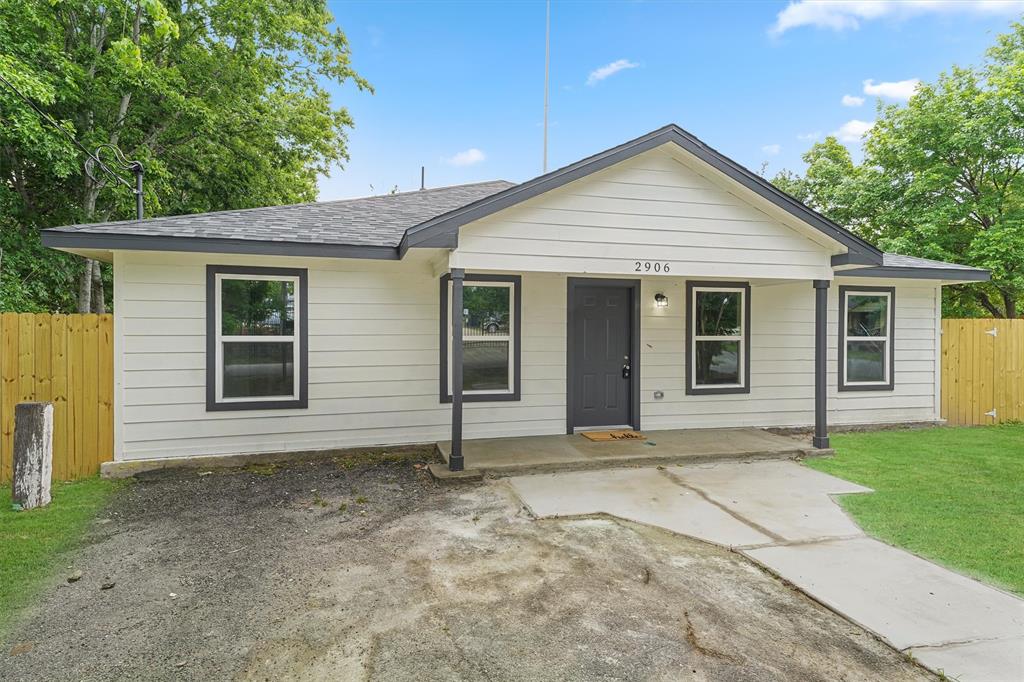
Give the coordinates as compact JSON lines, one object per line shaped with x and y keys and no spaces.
{"x":626,"y":369}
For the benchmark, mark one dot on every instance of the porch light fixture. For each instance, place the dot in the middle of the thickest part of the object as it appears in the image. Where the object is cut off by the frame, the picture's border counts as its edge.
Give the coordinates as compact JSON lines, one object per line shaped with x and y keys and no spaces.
{"x":661,"y":300}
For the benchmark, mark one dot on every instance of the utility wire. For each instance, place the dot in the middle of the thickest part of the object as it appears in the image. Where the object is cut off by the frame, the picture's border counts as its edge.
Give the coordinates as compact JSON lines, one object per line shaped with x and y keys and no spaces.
{"x":49,"y":119}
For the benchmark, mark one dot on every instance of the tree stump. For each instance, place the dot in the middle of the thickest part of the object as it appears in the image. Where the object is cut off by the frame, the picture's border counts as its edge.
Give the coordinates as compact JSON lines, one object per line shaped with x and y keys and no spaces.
{"x":33,"y":455}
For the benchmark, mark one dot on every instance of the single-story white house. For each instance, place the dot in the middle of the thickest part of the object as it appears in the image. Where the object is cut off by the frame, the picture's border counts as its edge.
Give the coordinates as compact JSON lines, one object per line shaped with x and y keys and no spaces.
{"x":655,"y":285}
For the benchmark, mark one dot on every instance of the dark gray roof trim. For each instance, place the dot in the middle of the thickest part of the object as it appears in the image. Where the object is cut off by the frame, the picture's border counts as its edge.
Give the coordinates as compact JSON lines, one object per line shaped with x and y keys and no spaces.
{"x":138,"y":242}
{"x":318,"y":228}
{"x":896,"y":265}
{"x":442,"y":231}
{"x":919,"y":273}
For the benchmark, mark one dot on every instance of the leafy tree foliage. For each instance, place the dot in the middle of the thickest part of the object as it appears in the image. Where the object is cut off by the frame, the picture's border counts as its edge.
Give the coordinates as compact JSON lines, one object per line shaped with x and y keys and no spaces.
{"x":941,"y":178}
{"x":221,"y":100}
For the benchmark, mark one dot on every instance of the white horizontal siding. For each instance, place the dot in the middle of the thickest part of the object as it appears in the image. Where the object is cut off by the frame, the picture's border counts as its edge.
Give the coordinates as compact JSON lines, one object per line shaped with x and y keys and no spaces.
{"x":373,"y":361}
{"x":653,"y":207}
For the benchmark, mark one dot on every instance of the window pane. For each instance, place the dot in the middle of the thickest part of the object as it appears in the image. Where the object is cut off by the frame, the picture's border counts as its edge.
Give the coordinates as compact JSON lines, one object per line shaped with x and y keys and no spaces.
{"x":867,"y":315}
{"x":718,"y":313}
{"x":865,"y":361}
{"x":257,"y":308}
{"x":716,"y":362}
{"x":254,"y":370}
{"x":485,"y":366}
{"x":485,"y":310}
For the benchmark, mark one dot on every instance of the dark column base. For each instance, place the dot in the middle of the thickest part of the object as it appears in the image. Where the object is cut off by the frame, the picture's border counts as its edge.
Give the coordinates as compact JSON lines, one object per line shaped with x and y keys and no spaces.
{"x":456,"y":463}
{"x":820,"y":443}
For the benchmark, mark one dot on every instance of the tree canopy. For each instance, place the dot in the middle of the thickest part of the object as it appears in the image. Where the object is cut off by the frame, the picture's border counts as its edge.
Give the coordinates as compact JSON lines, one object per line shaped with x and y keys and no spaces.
{"x":221,"y":100}
{"x":941,"y":178}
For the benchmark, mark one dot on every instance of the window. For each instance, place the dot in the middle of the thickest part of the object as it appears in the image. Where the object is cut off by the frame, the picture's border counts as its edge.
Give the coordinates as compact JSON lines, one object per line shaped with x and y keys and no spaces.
{"x":490,"y":337}
{"x":256,"y":338}
{"x":718,"y":337}
{"x":866,"y":316}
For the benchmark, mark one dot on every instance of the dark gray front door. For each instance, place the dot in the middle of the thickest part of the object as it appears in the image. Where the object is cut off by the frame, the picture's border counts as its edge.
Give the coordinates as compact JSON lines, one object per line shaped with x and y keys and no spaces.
{"x":600,"y":347}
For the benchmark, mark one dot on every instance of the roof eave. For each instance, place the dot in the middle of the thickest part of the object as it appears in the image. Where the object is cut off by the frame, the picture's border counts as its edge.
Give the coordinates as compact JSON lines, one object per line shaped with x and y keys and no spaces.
{"x":137,"y":242}
{"x":951,"y":275}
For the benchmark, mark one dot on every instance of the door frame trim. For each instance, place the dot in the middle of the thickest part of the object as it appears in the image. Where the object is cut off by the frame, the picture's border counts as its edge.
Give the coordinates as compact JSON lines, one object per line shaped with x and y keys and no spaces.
{"x":633,"y":285}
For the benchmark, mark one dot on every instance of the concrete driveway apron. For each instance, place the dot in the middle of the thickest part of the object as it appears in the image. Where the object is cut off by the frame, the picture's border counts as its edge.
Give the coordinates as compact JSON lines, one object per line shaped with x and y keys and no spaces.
{"x":782,"y":516}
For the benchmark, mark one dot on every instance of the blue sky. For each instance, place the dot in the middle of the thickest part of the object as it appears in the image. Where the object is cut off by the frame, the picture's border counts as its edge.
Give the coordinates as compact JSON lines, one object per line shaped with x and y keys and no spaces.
{"x":459,"y":86}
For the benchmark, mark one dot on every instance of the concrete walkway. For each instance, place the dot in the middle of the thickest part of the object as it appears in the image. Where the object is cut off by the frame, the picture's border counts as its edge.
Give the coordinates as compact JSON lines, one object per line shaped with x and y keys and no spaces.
{"x":782,"y":516}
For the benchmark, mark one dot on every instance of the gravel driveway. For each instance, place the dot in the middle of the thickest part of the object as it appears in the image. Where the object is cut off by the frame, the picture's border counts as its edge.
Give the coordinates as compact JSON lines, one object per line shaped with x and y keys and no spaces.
{"x":348,"y":570}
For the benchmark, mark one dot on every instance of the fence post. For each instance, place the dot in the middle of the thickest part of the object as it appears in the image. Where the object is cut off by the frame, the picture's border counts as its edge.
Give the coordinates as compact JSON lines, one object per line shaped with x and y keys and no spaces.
{"x":33,"y":455}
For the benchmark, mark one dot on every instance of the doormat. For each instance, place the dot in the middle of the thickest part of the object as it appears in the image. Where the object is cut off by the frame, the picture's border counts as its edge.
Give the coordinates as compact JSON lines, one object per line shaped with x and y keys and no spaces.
{"x":605,"y":436}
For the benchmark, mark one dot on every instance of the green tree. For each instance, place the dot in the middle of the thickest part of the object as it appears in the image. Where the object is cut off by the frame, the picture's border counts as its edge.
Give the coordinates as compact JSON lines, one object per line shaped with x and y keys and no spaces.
{"x":941,"y":178}
{"x":222,"y":101}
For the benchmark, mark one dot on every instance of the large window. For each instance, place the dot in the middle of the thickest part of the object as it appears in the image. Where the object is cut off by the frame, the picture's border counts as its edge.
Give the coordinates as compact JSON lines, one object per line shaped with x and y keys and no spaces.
{"x":866,"y":316}
{"x":490,"y":337}
{"x":256,"y":354}
{"x":718,"y":337}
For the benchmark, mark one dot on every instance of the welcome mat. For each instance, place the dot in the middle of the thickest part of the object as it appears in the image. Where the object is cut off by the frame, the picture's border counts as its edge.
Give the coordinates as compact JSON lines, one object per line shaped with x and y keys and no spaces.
{"x":605,"y":436}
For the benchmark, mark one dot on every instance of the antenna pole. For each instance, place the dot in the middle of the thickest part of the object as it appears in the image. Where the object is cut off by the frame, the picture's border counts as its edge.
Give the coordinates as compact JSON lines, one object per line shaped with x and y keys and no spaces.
{"x":423,"y":177}
{"x":547,"y":71}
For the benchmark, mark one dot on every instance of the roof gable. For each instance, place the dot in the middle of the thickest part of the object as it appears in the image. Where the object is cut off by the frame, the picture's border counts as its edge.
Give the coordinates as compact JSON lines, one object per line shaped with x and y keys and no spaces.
{"x":442,"y":231}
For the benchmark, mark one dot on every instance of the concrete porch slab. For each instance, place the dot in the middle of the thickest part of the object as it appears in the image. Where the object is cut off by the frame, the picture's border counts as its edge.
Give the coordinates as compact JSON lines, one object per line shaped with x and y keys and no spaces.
{"x":538,"y":454}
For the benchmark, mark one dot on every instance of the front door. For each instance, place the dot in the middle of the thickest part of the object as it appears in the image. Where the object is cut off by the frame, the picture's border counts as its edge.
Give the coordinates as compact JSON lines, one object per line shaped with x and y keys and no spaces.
{"x":601,"y":366}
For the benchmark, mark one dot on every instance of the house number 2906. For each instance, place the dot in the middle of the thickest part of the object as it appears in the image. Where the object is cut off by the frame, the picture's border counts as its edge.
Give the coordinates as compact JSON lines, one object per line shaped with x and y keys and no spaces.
{"x":650,"y":266}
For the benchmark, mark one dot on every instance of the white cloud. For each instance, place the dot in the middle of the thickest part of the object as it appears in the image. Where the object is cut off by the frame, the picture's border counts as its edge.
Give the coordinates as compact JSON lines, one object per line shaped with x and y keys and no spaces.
{"x":809,"y":137}
{"x":841,"y":15}
{"x":771,"y":149}
{"x":468,"y":157}
{"x":852,"y":101}
{"x":901,"y":90}
{"x":598,"y":75}
{"x":853,"y":131}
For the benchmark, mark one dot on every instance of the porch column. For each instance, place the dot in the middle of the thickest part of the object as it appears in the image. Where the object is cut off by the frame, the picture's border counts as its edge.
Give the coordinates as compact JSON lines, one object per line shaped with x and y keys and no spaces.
{"x":820,"y":439}
{"x":455,"y":459}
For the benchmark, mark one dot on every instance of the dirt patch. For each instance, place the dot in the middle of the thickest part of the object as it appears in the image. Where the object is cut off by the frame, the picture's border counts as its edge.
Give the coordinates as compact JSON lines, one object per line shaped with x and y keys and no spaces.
{"x":350,"y":570}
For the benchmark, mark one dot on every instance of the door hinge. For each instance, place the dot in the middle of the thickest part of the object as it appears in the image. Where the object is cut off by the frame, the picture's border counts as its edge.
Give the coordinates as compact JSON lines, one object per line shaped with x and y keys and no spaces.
{"x":994,"y":331}
{"x":991,"y":413}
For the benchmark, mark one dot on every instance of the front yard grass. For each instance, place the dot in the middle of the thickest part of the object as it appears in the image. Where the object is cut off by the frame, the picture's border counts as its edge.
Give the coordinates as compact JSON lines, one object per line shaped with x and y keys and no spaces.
{"x":953,"y":495}
{"x":32,"y":543}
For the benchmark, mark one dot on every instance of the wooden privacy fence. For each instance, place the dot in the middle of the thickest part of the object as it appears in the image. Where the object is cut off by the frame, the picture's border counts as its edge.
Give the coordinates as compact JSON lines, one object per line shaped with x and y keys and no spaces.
{"x":982,"y":371}
{"x":67,"y":360}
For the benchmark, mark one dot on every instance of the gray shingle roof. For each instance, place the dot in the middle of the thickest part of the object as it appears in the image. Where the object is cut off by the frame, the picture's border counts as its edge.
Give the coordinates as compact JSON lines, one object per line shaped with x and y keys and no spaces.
{"x":895,"y":260}
{"x":368,"y":221}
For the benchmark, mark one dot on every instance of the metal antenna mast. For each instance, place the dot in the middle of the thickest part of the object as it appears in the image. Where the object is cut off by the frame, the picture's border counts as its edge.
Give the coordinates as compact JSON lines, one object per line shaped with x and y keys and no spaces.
{"x":547,"y":71}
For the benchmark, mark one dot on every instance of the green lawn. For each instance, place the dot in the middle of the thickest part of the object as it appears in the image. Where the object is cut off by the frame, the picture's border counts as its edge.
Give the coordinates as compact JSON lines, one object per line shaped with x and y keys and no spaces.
{"x":31,"y":542}
{"x":953,"y":495}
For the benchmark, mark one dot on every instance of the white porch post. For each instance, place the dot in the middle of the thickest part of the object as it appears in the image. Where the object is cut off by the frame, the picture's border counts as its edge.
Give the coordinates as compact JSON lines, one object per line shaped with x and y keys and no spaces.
{"x":455,"y":462}
{"x":820,"y":439}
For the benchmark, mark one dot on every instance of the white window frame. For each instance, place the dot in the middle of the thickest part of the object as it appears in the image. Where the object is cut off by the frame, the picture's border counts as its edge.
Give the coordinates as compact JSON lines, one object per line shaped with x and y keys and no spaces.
{"x":510,"y":336}
{"x":741,"y":338}
{"x":887,"y":339}
{"x":294,"y":338}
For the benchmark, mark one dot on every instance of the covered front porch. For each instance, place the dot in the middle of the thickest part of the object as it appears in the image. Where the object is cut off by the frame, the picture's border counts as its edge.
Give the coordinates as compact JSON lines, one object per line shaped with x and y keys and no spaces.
{"x":532,"y":454}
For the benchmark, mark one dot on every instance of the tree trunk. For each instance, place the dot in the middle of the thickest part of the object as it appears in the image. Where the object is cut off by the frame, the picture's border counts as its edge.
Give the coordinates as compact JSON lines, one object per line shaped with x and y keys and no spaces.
{"x":85,"y":287}
{"x":33,"y":455}
{"x":99,"y":300}
{"x":987,"y":304}
{"x":1011,"y":305}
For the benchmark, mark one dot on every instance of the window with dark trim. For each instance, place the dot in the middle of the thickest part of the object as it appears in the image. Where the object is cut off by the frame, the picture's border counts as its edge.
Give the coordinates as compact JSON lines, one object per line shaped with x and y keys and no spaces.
{"x":491,"y":331}
{"x":717,"y":337}
{"x":866,"y":354}
{"x":256,"y":338}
